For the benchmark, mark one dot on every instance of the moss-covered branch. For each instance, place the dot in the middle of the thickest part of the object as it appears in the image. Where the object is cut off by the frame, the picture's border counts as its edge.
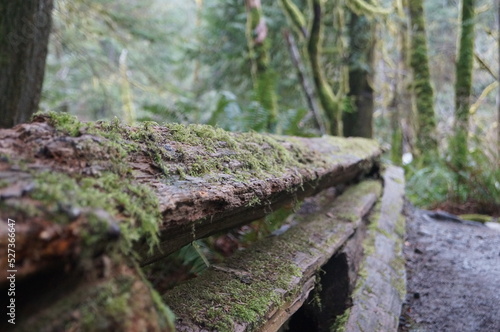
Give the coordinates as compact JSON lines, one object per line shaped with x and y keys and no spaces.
{"x":295,"y":15}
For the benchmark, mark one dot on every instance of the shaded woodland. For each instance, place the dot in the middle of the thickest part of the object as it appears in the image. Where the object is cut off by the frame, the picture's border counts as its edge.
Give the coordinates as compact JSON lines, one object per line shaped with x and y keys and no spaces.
{"x":419,"y":76}
{"x":180,"y":122}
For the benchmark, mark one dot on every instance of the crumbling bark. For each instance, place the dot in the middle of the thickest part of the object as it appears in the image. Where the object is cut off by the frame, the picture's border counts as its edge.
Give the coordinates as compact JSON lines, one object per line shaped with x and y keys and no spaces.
{"x":93,"y":201}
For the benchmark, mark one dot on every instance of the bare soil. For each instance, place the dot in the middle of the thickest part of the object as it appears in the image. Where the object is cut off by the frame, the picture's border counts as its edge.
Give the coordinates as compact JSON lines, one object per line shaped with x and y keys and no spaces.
{"x":453,"y":271}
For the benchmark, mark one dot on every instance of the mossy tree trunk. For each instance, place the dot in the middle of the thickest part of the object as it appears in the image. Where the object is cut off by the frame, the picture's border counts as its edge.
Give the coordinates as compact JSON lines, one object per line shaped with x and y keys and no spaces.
{"x":329,"y":102}
{"x":24,"y":35}
{"x":357,"y":121}
{"x":262,"y":76}
{"x":422,"y":88}
{"x":463,"y":85}
{"x":498,"y":77}
{"x":401,"y":102}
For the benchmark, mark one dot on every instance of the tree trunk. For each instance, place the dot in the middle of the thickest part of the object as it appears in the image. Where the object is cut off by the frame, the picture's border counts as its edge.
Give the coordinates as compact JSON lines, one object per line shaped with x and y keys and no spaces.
{"x":463,"y":85}
{"x":357,"y":120}
{"x":304,"y":82}
{"x":24,"y":35}
{"x":498,"y":78}
{"x":424,"y":94}
{"x":258,"y":45}
{"x":329,"y":102}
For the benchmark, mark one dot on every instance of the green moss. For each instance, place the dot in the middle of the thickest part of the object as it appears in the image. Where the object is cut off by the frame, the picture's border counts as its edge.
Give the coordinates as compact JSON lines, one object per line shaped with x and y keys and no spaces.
{"x":136,"y":204}
{"x":424,"y":93}
{"x":256,"y":279}
{"x":340,"y":321}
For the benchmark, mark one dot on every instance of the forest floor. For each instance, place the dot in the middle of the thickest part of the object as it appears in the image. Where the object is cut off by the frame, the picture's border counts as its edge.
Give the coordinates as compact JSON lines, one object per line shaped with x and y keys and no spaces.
{"x":453,"y":271}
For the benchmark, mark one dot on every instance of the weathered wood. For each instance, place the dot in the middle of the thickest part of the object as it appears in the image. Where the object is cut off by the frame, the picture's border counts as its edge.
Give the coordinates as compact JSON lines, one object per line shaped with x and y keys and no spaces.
{"x":381,"y":287}
{"x":76,"y":187}
{"x":112,"y":297}
{"x":259,"y":288}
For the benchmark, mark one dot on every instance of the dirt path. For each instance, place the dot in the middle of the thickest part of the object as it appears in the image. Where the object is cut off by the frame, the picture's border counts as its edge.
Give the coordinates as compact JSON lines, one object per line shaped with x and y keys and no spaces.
{"x":453,"y":274}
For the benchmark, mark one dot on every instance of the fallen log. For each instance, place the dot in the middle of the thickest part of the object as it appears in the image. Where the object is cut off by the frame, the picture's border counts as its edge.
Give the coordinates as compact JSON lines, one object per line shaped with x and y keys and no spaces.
{"x":260,"y":288}
{"x":381,"y":288}
{"x":73,"y":188}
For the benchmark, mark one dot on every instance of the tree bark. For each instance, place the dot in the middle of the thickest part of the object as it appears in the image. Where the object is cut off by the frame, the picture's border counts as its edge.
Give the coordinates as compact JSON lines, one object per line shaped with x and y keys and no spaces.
{"x":463,"y":85}
{"x":24,"y":34}
{"x":424,"y":95}
{"x":498,"y":79}
{"x":358,"y":119}
{"x":329,"y":102}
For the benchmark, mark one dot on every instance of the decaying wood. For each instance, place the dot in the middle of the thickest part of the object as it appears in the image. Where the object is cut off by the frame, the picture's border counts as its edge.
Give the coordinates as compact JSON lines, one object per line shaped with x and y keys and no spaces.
{"x":276,"y":272}
{"x":190,"y":206}
{"x":381,"y":288}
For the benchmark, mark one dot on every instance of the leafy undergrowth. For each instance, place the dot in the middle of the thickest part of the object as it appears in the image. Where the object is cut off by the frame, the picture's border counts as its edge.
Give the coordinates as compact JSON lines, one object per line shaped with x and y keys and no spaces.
{"x":474,"y":189}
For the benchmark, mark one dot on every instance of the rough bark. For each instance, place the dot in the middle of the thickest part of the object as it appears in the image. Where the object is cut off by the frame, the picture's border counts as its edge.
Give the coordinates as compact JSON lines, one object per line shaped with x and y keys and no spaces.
{"x":264,"y":285}
{"x":422,"y":88}
{"x":258,"y":44}
{"x":358,"y":119}
{"x":24,"y":35}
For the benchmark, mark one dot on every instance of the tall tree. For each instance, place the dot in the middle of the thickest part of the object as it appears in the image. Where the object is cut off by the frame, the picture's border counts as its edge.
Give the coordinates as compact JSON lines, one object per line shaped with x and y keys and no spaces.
{"x":24,"y":35}
{"x":259,"y":53}
{"x":498,"y":78}
{"x":329,"y":101}
{"x":357,"y":121}
{"x":423,"y":91}
{"x":401,"y":102}
{"x":463,"y":84}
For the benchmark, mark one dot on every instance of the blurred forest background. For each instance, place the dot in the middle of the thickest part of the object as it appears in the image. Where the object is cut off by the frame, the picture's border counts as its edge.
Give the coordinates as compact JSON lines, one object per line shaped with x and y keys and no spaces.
{"x":385,"y":69}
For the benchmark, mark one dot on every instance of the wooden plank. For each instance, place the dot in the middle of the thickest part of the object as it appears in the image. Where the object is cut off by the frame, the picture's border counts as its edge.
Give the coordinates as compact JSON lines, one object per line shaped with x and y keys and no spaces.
{"x":261,"y":287}
{"x":77,"y":187}
{"x":381,"y":287}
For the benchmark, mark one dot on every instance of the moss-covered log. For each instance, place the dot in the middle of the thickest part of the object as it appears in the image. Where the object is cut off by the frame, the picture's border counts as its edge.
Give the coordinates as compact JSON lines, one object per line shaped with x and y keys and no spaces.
{"x":422,"y":87}
{"x":260,"y":288}
{"x":381,"y":286}
{"x":76,"y":188}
